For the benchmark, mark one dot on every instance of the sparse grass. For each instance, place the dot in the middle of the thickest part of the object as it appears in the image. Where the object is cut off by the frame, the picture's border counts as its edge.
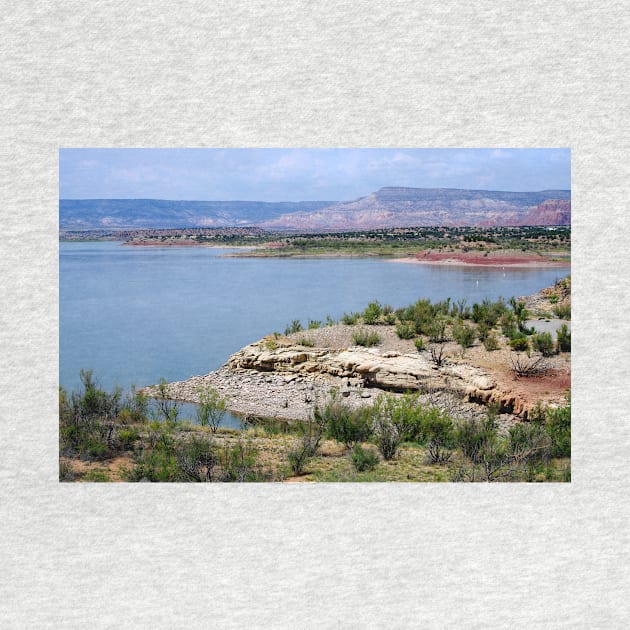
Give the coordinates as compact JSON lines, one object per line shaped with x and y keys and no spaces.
{"x":366,"y":338}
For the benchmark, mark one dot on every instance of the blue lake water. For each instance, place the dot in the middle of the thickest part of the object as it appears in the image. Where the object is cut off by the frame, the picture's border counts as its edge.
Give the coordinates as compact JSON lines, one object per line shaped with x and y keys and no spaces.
{"x":134,"y":315}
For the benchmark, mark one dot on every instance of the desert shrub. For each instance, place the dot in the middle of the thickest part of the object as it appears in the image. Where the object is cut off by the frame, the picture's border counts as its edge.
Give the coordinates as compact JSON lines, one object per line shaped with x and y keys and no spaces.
{"x":271,"y":344}
{"x":394,"y":421}
{"x":438,"y":354}
{"x":97,"y":475}
{"x":405,"y":330}
{"x":344,"y":424}
{"x":211,"y":408}
{"x":553,"y":299}
{"x":387,"y":309}
{"x":363,"y":337}
{"x":558,"y":427}
{"x":463,"y":334}
{"x":562,"y":311}
{"x":526,"y":366}
{"x":238,"y":463}
{"x":314,"y":323}
{"x":158,"y":465}
{"x":305,"y":341}
{"x":470,"y":436}
{"x":363,"y":458}
{"x":488,"y":313}
{"x":350,"y":318}
{"x":491,"y":343}
{"x":419,"y":343}
{"x":330,"y":321}
{"x":543,"y":342}
{"x":165,"y":408}
{"x":437,"y":330}
{"x":508,"y":324}
{"x":294,"y":327}
{"x":520,"y":343}
{"x":390,"y":319}
{"x":563,"y":335}
{"x":372,"y":312}
{"x":135,"y":406}
{"x":66,"y":472}
{"x":528,"y":442}
{"x":127,"y":438}
{"x":483,"y":330}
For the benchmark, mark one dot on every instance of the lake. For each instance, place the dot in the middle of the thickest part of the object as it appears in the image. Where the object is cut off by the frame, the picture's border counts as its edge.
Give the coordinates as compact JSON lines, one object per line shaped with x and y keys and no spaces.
{"x":136,"y":314}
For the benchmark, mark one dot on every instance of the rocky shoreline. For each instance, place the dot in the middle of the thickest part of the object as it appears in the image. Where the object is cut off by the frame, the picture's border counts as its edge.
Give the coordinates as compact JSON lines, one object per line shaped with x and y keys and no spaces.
{"x":285,"y":377}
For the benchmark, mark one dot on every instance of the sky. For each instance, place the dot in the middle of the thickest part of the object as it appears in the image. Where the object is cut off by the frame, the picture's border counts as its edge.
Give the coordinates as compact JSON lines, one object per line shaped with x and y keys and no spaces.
{"x":301,"y":174}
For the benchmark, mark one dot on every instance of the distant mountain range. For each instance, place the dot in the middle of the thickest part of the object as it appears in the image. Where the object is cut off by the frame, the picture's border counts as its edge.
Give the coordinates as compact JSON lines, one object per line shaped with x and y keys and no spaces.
{"x":387,"y":207}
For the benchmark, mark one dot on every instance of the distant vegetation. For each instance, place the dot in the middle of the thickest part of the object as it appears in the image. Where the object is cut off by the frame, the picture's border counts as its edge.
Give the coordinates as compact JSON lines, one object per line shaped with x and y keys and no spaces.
{"x":382,"y":242}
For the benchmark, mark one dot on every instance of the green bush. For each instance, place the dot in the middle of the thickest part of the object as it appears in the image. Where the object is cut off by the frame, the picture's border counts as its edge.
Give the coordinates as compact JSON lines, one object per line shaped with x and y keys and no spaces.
{"x":372,"y":313}
{"x":564,"y":338}
{"x":543,"y":342}
{"x":346,"y":425}
{"x":97,"y":475}
{"x":491,"y":343}
{"x":365,"y":338}
{"x":364,"y":459}
{"x":419,"y":343}
{"x":211,"y":408}
{"x":558,"y":426}
{"x":294,"y":327}
{"x":196,"y":459}
{"x":463,"y":334}
{"x":305,"y":341}
{"x":313,"y":324}
{"x":350,"y":318}
{"x":405,"y":330}
{"x":437,"y":330}
{"x":562,"y":311}
{"x":520,"y":344}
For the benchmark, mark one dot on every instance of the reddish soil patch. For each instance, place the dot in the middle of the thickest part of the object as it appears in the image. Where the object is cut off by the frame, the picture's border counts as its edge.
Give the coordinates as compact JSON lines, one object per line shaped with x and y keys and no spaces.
{"x":464,"y":258}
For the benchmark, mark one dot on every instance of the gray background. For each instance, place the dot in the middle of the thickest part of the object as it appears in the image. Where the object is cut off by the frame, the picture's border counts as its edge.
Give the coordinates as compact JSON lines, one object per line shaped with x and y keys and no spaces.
{"x":280,"y":74}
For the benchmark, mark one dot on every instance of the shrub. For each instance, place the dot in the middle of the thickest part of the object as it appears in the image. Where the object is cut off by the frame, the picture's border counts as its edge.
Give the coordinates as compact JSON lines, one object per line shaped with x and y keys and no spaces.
{"x":127,"y":438}
{"x":562,"y":311}
{"x":211,"y":408}
{"x":405,"y":330}
{"x":544,"y":344}
{"x":438,"y":355}
{"x":97,"y":475}
{"x":294,"y":327}
{"x":491,"y":343}
{"x":346,"y":425}
{"x":437,"y":330}
{"x":166,"y":408}
{"x":520,"y":344}
{"x":350,"y":318}
{"x":365,"y":338}
{"x":390,"y":319}
{"x":313,"y":324}
{"x":372,"y":313}
{"x":526,"y":366}
{"x":483,"y":330}
{"x":419,"y":343}
{"x":305,"y":341}
{"x":464,"y":335}
{"x":196,"y":459}
{"x":364,"y":459}
{"x":564,"y":338}
{"x":238,"y":463}
{"x":558,"y":426}
{"x":394,"y":421}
